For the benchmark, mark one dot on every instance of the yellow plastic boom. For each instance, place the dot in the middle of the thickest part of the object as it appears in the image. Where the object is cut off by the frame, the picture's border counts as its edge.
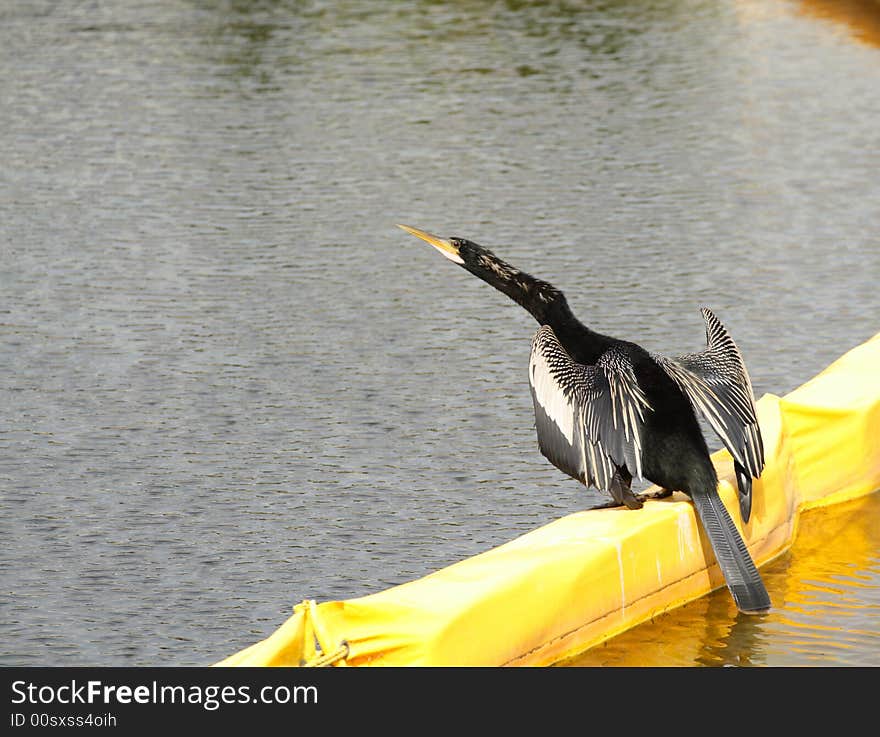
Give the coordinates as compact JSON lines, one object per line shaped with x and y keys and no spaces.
{"x":586,"y":577}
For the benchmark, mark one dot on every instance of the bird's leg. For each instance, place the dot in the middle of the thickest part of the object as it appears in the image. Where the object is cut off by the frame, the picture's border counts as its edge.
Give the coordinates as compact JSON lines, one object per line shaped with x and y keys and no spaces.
{"x":621,"y":492}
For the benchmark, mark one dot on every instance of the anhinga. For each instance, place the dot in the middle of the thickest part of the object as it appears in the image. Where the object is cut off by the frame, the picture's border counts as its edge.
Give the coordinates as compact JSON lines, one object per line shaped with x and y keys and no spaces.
{"x":607,"y":410}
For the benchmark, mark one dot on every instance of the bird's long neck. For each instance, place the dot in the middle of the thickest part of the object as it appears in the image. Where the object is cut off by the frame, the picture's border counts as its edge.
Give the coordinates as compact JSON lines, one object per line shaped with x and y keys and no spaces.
{"x":544,"y":302}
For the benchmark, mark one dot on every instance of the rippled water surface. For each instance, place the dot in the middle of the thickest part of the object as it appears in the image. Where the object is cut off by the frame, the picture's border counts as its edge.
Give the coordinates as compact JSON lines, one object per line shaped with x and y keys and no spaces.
{"x":230,"y":383}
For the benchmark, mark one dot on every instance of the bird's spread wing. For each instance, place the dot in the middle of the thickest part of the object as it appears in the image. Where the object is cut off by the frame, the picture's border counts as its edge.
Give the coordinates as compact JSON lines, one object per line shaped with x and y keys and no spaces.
{"x":589,"y":419}
{"x":717,"y":383}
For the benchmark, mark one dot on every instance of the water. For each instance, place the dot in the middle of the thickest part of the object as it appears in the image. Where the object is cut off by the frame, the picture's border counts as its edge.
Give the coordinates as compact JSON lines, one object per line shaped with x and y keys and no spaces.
{"x":230,"y":383}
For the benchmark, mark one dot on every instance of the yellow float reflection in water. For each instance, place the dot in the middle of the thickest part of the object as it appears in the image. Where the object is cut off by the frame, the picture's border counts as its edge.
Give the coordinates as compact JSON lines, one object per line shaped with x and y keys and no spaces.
{"x":826,"y":591}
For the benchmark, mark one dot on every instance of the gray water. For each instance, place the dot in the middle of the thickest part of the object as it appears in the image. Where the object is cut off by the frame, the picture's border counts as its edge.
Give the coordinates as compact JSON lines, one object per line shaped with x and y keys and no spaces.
{"x":229,"y":383}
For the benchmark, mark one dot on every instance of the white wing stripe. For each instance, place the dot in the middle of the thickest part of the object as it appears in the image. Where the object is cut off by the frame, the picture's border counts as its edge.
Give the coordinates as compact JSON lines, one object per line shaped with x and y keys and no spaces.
{"x":604,"y":401}
{"x":553,"y":401}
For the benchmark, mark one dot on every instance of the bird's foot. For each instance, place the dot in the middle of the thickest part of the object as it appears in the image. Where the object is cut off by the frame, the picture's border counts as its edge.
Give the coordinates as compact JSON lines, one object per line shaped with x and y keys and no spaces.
{"x":636,"y":500}
{"x":621,"y":491}
{"x":605,"y":505}
{"x":634,"y":503}
{"x":660,"y":494}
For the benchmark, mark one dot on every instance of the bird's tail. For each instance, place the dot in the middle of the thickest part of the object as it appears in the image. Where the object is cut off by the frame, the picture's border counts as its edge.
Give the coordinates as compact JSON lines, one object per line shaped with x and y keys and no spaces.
{"x":733,"y":557}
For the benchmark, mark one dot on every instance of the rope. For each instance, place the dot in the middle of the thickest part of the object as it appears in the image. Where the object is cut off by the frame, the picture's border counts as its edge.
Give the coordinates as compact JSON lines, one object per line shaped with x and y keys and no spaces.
{"x":323,"y":660}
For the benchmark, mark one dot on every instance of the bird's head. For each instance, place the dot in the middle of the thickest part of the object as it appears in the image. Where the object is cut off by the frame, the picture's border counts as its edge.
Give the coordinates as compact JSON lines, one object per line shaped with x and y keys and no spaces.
{"x":472,"y":256}
{"x":540,"y":298}
{"x":455,"y":249}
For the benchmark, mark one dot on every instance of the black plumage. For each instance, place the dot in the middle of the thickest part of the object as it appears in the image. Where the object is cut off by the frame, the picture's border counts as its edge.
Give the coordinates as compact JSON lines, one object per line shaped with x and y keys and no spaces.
{"x":607,"y":410}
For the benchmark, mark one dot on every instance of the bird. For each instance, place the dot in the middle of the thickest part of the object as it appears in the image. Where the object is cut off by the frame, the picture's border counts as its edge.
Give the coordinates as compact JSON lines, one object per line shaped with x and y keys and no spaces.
{"x":608,"y":411}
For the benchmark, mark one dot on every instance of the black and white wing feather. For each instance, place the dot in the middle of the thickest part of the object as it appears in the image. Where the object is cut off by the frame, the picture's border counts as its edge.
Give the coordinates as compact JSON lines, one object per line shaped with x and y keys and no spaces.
{"x":589,"y":419}
{"x":717,"y":383}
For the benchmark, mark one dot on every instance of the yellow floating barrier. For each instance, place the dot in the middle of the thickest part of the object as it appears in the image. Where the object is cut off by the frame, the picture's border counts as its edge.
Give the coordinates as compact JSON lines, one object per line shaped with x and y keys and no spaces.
{"x":580,"y":580}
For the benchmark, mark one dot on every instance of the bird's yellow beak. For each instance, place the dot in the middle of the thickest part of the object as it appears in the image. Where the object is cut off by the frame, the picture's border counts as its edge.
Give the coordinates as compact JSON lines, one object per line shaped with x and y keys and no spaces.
{"x":446,"y":247}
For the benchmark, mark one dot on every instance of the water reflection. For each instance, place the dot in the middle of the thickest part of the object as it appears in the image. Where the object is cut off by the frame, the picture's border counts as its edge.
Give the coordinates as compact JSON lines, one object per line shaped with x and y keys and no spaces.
{"x":861,"y":17}
{"x":239,"y":32}
{"x":826,"y":607}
